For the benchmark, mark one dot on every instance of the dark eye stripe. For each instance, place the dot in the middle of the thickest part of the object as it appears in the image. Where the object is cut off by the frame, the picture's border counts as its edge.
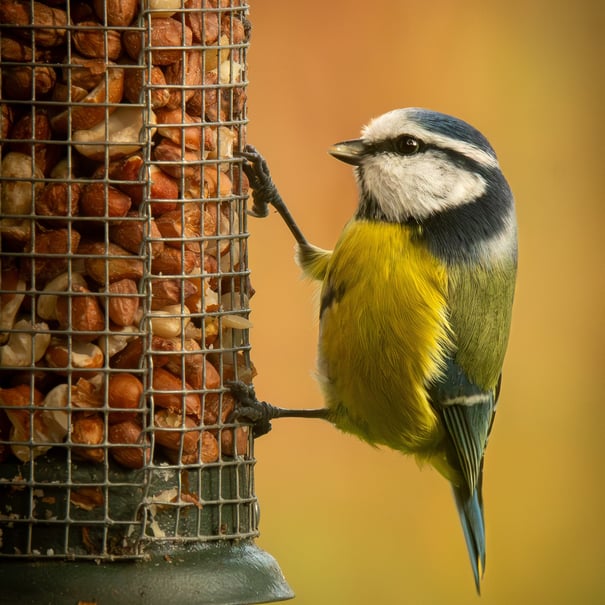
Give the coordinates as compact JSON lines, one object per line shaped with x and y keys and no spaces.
{"x":394,"y":146}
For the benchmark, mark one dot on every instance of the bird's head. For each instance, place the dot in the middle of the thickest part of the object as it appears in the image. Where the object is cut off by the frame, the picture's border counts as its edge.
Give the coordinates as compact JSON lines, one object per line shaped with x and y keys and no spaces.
{"x":420,"y":166}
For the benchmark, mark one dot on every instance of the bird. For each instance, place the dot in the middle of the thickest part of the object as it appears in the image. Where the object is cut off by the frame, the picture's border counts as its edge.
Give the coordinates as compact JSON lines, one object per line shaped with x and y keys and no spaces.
{"x":416,"y":299}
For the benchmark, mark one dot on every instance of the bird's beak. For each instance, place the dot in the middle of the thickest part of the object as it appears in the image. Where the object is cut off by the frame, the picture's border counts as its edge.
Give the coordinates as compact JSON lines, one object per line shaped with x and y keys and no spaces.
{"x":350,"y":152}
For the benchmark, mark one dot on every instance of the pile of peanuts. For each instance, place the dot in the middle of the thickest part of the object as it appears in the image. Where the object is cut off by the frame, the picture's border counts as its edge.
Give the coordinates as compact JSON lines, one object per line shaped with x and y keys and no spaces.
{"x":123,"y":285}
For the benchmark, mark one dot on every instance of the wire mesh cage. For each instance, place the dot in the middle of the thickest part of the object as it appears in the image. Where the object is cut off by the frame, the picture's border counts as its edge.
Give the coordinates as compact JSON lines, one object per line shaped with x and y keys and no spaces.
{"x":124,"y":304}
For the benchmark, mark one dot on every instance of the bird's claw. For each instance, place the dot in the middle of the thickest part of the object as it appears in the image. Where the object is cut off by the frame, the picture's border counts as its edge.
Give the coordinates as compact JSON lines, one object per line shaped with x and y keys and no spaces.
{"x":249,"y":409}
{"x":257,"y":171}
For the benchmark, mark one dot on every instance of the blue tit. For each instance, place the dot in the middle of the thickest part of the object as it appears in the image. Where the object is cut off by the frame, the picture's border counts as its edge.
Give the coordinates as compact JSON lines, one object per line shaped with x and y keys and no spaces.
{"x":416,"y":299}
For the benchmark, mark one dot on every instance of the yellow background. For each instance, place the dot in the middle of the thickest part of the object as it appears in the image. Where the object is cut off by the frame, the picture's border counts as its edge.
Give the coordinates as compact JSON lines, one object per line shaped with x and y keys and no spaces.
{"x":352,"y":524}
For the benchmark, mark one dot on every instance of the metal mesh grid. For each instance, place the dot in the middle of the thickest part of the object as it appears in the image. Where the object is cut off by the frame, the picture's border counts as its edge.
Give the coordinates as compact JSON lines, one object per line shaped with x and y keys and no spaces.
{"x":124,"y":280}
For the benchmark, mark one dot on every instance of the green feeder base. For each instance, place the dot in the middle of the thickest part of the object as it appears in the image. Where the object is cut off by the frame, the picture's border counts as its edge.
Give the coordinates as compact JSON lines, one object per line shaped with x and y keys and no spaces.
{"x":203,"y":574}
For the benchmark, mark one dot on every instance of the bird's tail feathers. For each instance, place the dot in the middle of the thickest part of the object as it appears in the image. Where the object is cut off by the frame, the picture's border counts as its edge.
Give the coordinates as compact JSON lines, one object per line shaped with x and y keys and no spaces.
{"x":470,"y":509}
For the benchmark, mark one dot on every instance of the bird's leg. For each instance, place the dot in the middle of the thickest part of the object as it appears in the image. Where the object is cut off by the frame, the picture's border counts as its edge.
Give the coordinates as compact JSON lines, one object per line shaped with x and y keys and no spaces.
{"x":247,"y":406}
{"x":260,"y":413}
{"x":266,"y":193}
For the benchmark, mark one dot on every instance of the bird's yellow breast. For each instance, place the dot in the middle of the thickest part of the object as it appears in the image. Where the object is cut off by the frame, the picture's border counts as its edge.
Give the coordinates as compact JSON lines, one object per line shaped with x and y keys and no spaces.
{"x":383,"y":335}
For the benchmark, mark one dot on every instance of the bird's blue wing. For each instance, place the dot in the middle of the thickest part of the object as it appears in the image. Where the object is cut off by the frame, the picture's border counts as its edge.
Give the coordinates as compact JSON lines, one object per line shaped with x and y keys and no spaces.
{"x":467,"y":412}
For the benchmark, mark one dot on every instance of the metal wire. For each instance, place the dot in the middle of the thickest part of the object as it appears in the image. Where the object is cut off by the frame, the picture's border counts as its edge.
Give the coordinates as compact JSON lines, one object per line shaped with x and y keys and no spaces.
{"x":123,"y":257}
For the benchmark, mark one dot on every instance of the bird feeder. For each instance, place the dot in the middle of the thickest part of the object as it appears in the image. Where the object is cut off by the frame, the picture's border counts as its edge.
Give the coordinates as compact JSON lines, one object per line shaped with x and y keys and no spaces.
{"x":124,"y":302}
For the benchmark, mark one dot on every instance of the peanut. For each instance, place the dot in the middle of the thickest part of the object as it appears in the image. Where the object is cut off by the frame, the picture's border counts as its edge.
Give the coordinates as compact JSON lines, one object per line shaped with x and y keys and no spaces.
{"x":165,"y":34}
{"x":81,"y":355}
{"x":166,"y":292}
{"x":123,"y":302}
{"x":109,"y":262}
{"x":87,"y":431}
{"x":175,"y":432}
{"x":133,"y":86}
{"x":130,"y":447}
{"x":85,"y":317}
{"x":85,"y":72}
{"x":18,"y":80}
{"x":234,"y":441}
{"x":58,"y":199}
{"x":103,"y":201}
{"x":130,"y":235}
{"x":173,"y":393}
{"x":93,"y":42}
{"x":124,"y":393}
{"x":51,"y":249}
{"x":173,"y":261}
{"x":204,"y":25}
{"x":117,"y":13}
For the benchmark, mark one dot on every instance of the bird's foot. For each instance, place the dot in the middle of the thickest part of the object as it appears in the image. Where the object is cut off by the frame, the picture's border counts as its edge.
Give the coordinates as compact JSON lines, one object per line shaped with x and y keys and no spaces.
{"x":265,"y":191}
{"x":249,"y":409}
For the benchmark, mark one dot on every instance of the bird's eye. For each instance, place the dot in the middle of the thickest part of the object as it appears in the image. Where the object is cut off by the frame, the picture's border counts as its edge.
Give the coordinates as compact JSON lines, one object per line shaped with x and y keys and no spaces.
{"x":407,"y":145}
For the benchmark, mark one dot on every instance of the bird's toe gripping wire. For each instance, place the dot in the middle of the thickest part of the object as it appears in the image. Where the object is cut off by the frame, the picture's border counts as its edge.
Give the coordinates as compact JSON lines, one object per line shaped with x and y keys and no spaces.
{"x":249,"y":409}
{"x":265,"y":192}
{"x":257,"y":171}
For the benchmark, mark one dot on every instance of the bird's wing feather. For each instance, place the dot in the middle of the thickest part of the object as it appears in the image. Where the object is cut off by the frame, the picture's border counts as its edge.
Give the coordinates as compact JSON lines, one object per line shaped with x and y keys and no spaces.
{"x":467,"y":412}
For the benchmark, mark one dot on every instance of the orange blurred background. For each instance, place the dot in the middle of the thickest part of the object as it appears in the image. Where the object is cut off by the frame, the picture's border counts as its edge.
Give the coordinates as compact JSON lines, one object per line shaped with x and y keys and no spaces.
{"x":357,"y":525}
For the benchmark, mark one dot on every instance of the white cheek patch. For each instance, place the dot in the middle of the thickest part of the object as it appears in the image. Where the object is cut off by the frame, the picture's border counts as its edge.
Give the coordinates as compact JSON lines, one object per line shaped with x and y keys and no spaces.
{"x":418,"y":186}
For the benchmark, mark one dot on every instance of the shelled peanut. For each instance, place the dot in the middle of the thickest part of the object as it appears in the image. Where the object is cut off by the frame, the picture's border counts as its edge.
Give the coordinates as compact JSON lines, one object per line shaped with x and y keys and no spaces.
{"x":118,"y":223}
